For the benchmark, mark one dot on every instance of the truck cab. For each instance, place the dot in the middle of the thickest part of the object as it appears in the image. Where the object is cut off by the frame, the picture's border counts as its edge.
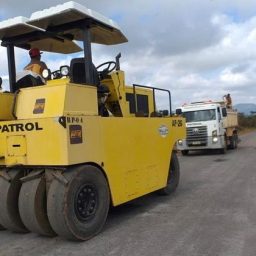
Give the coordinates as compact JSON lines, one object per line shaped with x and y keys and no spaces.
{"x":210,"y":125}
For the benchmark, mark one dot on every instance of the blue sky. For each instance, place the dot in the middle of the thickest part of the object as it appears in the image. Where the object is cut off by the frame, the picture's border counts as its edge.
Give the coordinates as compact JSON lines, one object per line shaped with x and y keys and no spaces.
{"x":194,"y":48}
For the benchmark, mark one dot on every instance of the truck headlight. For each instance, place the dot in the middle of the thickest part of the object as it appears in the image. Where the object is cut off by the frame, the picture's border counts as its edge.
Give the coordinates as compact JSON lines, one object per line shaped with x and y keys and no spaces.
{"x":214,"y":136}
{"x":215,"y":139}
{"x":180,"y":142}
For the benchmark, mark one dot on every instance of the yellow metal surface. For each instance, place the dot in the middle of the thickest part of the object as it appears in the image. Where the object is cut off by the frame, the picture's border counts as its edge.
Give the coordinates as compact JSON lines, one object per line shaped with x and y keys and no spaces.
{"x":138,"y":162}
{"x":6,"y":102}
{"x":141,"y":91}
{"x":16,"y":145}
{"x":57,"y":81}
{"x":133,"y":152}
{"x":81,"y":100}
{"x":56,"y":100}
{"x":53,"y":96}
{"x":40,"y":142}
{"x":118,"y":91}
{"x":116,"y":86}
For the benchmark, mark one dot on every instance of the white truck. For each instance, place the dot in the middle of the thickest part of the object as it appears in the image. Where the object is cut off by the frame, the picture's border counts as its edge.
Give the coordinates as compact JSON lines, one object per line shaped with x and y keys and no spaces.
{"x":210,"y":125}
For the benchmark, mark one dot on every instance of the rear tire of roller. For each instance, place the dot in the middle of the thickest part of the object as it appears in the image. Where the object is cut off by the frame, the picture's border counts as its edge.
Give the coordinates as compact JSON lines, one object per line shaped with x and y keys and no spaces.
{"x":33,"y":207}
{"x":9,"y":194}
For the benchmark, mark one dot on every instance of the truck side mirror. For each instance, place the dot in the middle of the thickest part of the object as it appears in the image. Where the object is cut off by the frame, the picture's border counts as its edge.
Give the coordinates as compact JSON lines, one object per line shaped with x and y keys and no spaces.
{"x":224,"y":112}
{"x":1,"y":81}
{"x":178,"y":111}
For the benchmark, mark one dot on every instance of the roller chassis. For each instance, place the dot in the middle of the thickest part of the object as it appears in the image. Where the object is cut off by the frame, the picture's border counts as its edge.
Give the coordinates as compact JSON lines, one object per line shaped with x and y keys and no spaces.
{"x":60,"y":165}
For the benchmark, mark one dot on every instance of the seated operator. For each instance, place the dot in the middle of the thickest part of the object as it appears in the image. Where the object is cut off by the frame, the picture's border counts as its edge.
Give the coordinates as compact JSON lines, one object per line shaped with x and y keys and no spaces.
{"x":35,"y":65}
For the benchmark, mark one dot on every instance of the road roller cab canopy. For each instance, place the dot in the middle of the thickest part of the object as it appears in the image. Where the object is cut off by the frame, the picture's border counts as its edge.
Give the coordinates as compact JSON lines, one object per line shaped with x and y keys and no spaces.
{"x":55,"y":30}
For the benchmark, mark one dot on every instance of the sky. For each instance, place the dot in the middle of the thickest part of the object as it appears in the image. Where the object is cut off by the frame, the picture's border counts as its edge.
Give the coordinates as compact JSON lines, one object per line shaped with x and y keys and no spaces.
{"x":197,"y":49}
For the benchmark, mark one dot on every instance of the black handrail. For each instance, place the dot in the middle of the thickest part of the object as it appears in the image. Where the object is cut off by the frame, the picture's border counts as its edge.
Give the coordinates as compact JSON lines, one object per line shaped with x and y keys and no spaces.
{"x":154,"y":100}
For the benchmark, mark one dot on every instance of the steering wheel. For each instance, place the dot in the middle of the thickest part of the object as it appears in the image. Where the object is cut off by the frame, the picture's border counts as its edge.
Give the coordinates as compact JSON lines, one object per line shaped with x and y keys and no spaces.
{"x":56,"y":74}
{"x":103,"y":73}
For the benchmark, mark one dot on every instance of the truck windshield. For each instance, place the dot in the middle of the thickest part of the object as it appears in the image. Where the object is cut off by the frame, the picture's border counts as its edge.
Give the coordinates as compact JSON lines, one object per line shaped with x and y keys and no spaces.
{"x":200,"y":115}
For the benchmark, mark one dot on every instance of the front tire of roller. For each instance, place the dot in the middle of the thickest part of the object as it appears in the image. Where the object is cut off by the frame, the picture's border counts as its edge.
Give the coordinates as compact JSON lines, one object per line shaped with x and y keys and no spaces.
{"x":9,"y":194}
{"x":78,"y":210}
{"x":32,"y":207}
{"x":173,"y":177}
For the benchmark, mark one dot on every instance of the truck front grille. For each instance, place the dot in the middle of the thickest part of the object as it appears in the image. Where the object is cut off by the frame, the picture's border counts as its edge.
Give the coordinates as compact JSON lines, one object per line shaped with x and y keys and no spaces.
{"x":197,"y":136}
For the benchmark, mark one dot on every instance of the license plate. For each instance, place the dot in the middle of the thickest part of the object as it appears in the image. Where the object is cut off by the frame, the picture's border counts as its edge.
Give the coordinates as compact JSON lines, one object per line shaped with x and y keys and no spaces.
{"x":196,"y":142}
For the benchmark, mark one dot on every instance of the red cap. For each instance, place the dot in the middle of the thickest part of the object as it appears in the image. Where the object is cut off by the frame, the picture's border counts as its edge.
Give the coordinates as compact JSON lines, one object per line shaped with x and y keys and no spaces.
{"x":34,"y":52}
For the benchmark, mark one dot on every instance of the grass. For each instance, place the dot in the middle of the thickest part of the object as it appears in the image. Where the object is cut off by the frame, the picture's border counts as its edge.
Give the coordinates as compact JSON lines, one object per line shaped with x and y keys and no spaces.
{"x":245,"y":130}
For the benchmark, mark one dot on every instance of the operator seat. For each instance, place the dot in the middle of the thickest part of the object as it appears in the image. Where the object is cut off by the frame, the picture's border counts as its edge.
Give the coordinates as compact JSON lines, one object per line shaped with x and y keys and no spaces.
{"x":27,"y":78}
{"x":77,"y":75}
{"x":77,"y":72}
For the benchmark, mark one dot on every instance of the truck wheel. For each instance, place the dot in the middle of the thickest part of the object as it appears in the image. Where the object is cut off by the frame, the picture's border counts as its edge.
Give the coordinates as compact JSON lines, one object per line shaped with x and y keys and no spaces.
{"x":173,"y":177}
{"x":233,"y":142}
{"x":32,"y":206}
{"x":9,"y":194}
{"x":236,"y":141}
{"x":78,"y":210}
{"x":184,"y":152}
{"x":224,"y":149}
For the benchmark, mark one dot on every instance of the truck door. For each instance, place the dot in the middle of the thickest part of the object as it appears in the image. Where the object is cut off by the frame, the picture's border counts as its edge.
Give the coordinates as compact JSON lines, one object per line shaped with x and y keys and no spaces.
{"x":221,"y":121}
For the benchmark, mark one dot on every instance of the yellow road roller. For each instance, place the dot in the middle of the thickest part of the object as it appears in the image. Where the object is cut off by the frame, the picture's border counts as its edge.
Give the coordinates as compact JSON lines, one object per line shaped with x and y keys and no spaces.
{"x":77,"y":140}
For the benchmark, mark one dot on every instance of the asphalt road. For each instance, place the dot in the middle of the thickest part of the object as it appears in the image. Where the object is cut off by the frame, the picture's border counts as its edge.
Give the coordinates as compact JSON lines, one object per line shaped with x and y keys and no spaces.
{"x":213,"y":212}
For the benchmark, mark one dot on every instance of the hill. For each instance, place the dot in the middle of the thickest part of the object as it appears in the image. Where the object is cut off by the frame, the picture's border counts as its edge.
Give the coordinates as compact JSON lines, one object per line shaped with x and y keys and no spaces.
{"x":245,"y":108}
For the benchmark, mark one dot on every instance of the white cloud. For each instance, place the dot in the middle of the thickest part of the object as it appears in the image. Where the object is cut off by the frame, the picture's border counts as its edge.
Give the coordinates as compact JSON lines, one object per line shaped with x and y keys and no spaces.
{"x":3,"y":60}
{"x":198,"y":49}
{"x":233,"y":79}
